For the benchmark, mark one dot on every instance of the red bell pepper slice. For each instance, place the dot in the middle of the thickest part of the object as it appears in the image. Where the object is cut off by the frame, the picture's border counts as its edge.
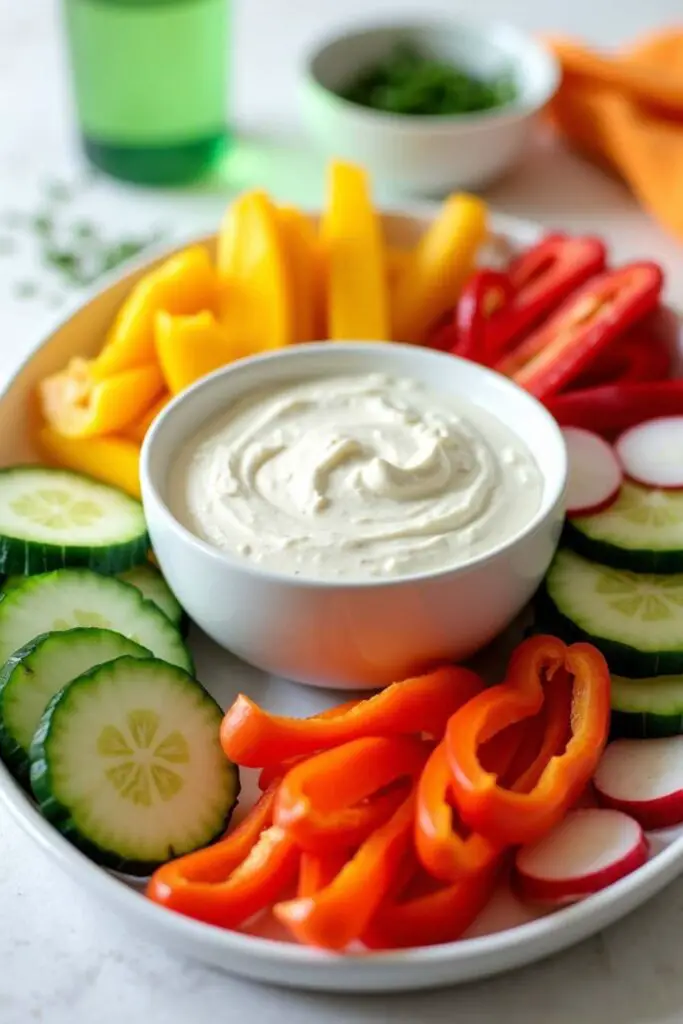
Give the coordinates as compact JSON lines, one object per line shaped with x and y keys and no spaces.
{"x":341,"y":911}
{"x":539,"y":280}
{"x":638,"y":356}
{"x":254,"y":738}
{"x":317,"y":870}
{"x":505,"y":816}
{"x":276,"y":772}
{"x":227,"y":883}
{"x":334,"y":799}
{"x":484,"y":296}
{"x":582,"y":328}
{"x":611,"y":409}
{"x":428,"y":919}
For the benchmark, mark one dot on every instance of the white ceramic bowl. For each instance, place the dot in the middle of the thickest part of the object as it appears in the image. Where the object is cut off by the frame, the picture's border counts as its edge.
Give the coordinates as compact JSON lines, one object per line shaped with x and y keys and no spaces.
{"x":352,"y":635}
{"x":428,"y":155}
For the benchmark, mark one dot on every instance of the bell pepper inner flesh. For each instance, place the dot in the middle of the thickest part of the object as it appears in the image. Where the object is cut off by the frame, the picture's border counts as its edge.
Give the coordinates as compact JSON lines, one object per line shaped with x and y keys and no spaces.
{"x":582,"y":328}
{"x":506,"y":816}
{"x":334,"y":798}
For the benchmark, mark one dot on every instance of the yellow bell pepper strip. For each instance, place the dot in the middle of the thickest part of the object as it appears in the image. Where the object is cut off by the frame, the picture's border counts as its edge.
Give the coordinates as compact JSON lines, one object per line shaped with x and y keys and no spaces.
{"x":256,"y":300}
{"x":114,"y":460}
{"x":185,"y":283}
{"x":357,"y":285}
{"x":441,"y":263}
{"x":254,"y":738}
{"x":507,"y":816}
{"x":136,"y":431}
{"x":341,"y":911}
{"x":190,"y":347}
{"x":303,"y":263}
{"x":76,"y":405}
{"x":396,"y":261}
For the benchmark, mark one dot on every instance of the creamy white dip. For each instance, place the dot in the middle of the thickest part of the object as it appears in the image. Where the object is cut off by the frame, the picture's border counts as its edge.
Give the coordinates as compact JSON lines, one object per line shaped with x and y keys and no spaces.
{"x":355,"y":477}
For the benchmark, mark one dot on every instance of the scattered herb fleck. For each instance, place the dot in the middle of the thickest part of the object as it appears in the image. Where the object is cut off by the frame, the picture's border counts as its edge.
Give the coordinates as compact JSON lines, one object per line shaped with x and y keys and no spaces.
{"x":25,"y":289}
{"x":76,"y":252}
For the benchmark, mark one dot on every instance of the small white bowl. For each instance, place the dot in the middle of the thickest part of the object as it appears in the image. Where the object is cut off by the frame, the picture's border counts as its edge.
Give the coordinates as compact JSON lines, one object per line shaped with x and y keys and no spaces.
{"x":428,"y":155}
{"x":352,"y":635}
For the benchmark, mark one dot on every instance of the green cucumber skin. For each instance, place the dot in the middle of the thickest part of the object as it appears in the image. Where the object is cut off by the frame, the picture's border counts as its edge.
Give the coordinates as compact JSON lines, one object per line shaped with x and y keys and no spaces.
{"x":25,"y":558}
{"x":636,"y":560}
{"x":622,"y":659}
{"x":11,"y":752}
{"x":58,"y":815}
{"x":638,"y":725}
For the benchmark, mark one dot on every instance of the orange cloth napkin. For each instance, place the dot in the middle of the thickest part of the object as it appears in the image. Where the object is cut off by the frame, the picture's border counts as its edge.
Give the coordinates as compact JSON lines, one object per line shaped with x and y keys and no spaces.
{"x":625,"y":110}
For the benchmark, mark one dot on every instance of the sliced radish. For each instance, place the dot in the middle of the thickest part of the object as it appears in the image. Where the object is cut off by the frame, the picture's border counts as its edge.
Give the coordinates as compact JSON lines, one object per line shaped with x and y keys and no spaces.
{"x":652,"y":452}
{"x":644,"y":778}
{"x":587,"y":851}
{"x":595,"y":475}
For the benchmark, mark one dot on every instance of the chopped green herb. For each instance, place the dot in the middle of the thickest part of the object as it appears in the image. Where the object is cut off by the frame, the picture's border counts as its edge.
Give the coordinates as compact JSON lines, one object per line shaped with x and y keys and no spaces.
{"x":408,"y":82}
{"x":25,"y":289}
{"x":58,"y":191}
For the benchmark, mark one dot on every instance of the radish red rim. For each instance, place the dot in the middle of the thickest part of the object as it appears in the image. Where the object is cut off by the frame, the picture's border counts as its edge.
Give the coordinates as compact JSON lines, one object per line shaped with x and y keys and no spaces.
{"x":643,"y":778}
{"x":595,"y":476}
{"x":588,"y":850}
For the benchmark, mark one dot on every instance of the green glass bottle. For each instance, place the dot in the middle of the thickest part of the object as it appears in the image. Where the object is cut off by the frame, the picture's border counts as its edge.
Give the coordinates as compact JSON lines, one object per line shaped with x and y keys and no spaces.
{"x":150,"y":83}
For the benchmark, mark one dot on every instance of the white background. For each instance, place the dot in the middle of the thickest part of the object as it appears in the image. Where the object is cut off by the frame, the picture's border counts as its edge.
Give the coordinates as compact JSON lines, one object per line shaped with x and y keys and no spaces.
{"x":63,"y":957}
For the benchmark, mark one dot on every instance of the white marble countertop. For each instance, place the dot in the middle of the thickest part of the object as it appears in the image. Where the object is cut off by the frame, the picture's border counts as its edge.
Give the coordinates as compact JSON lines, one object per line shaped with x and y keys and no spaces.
{"x":66,"y":959}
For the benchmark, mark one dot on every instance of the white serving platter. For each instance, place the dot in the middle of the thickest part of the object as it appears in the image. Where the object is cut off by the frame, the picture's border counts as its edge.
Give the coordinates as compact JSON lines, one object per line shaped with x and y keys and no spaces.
{"x":507,"y":934}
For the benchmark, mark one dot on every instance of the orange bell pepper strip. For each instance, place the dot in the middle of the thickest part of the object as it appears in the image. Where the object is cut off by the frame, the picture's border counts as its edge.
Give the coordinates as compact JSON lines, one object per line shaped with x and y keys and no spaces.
{"x":503,"y":815}
{"x":190,"y":347}
{"x":317,"y":870}
{"x":114,"y":460}
{"x":185,"y":283}
{"x":302,"y":253}
{"x":334,"y":798}
{"x":341,"y":911}
{"x":227,"y":883}
{"x":447,"y":853}
{"x":254,"y":738}
{"x":75,"y":404}
{"x":276,"y":772}
{"x":441,"y":915}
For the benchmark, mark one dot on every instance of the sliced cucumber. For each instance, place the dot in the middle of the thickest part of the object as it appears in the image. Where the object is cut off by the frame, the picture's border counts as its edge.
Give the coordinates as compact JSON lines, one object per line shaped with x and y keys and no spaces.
{"x":636,"y":620}
{"x":127,"y":764}
{"x":641,"y":531}
{"x":32,"y":676}
{"x":154,"y":588}
{"x":51,"y":518}
{"x":78,"y":597}
{"x":647,"y":708}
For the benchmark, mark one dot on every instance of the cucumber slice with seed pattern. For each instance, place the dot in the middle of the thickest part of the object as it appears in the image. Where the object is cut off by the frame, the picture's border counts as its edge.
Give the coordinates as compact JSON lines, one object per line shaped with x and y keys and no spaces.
{"x":154,"y":588}
{"x":635,"y":619}
{"x":51,"y":518}
{"x":68,"y":598}
{"x":641,"y":531}
{"x":127,"y":764}
{"x":32,"y":676}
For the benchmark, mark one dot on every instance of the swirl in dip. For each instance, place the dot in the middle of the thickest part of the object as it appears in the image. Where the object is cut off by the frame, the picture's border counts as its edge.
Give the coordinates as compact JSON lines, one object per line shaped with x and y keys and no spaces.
{"x":364,"y":477}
